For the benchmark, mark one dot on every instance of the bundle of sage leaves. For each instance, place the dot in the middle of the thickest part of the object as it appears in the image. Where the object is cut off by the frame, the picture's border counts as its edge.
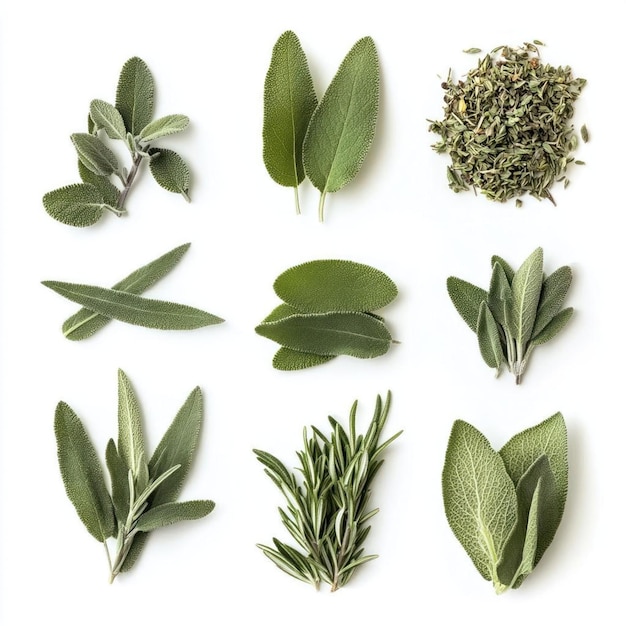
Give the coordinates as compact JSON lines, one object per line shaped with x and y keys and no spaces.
{"x":521,"y":310}
{"x":326,"y":141}
{"x":143,"y":490}
{"x":129,"y":121}
{"x":327,"y":311}
{"x":505,"y":507}
{"x":328,"y":500}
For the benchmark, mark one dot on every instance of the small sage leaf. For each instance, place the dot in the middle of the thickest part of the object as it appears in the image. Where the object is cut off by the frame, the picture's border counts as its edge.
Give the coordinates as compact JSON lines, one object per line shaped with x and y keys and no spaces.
{"x":526,"y":288}
{"x":170,"y":171}
{"x":82,"y":474}
{"x":118,"y":472}
{"x":167,"y":125}
{"x":489,"y":340}
{"x":335,"y":285}
{"x":130,"y":443}
{"x":94,"y":155}
{"x":173,"y":512}
{"x":135,"y":95}
{"x":466,"y":299}
{"x":107,"y":117}
{"x":75,"y":205}
{"x":341,"y":129}
{"x":280,"y":312}
{"x":553,"y":294}
{"x":110,"y":193}
{"x":508,"y":270}
{"x":499,"y":293}
{"x":133,"y":309}
{"x":554,"y":326}
{"x":289,"y":360}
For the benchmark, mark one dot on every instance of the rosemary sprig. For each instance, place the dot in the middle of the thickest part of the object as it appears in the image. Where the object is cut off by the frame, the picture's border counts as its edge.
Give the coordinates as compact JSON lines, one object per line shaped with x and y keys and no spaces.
{"x":327,"y":510}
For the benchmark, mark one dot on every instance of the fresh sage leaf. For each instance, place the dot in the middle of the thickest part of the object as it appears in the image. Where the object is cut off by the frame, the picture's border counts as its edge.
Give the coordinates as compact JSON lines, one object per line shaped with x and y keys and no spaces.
{"x":489,"y":340}
{"x":526,"y":289}
{"x":342,"y":126}
{"x":94,"y":155}
{"x":75,"y":205}
{"x":164,"y":126}
{"x":335,"y":285}
{"x":135,"y":95}
{"x":508,"y":270}
{"x":82,"y":474}
{"x":467,"y":299}
{"x":130,"y":443}
{"x":85,"y":322}
{"x":289,"y":101}
{"x":173,"y":512}
{"x":289,"y":360}
{"x":118,"y":472}
{"x":170,"y":171}
{"x":554,"y":326}
{"x":499,"y":293}
{"x":553,"y":294}
{"x":280,"y":312}
{"x":107,"y":117}
{"x":110,"y":193}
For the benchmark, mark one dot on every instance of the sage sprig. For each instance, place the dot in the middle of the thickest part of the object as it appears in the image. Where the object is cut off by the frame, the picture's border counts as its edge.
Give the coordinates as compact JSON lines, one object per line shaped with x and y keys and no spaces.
{"x":328,"y":141}
{"x":123,"y":302}
{"x":143,"y":490}
{"x":328,"y":500}
{"x":129,"y":121}
{"x":327,"y":312}
{"x":521,"y":310}
{"x":505,"y":507}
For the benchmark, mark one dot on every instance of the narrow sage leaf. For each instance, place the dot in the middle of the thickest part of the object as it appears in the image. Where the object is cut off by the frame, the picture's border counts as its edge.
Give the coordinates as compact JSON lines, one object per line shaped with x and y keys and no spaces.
{"x":164,"y":126}
{"x":85,"y":322}
{"x":110,"y":193}
{"x":170,"y":171}
{"x":342,"y":127}
{"x":82,"y":474}
{"x":75,"y":205}
{"x":135,"y":95}
{"x":335,"y":285}
{"x":107,"y":117}
{"x":335,"y":333}
{"x":94,"y":155}
{"x":288,"y":102}
{"x":466,"y":299}
{"x":526,"y":288}
{"x":288,"y":360}
{"x":479,"y":498}
{"x":556,"y":324}
{"x":130,"y":443}
{"x":553,"y":294}
{"x":499,"y":293}
{"x":508,"y":270}
{"x":489,"y":340}
{"x":118,"y":472}
{"x":173,"y":512}
{"x":133,"y":309}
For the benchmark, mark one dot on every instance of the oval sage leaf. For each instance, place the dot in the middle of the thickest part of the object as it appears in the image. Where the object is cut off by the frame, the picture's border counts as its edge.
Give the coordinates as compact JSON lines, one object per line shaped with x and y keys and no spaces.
{"x":173,"y":512}
{"x":167,"y":125}
{"x":110,"y":193}
{"x":467,"y":299}
{"x":170,"y":171}
{"x":135,"y":95}
{"x":94,"y":155}
{"x":75,"y":205}
{"x":553,"y":294}
{"x":288,"y":360}
{"x":107,"y":117}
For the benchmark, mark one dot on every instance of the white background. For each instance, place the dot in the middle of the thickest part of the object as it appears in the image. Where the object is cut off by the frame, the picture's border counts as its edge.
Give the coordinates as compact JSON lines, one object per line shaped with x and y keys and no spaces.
{"x":398,"y":216}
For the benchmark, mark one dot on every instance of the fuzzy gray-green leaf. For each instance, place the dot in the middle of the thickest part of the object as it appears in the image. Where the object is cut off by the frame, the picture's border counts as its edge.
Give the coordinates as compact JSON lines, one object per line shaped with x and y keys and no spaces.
{"x":289,"y":101}
{"x":118,"y":472}
{"x":526,"y":288}
{"x":85,"y":322}
{"x":288,"y":360}
{"x":342,"y":127}
{"x":555,"y":326}
{"x":479,"y":497}
{"x":488,"y":335}
{"x":499,"y":293}
{"x":110,"y":193}
{"x":466,"y":299}
{"x":170,"y":171}
{"x":335,"y":285}
{"x":508,"y":270}
{"x":167,"y":125}
{"x":107,"y":117}
{"x":94,"y":155}
{"x":130,"y":443}
{"x":553,"y":294}
{"x":135,"y":95}
{"x":335,"y":333}
{"x":133,"y":309}
{"x":173,"y":512}
{"x":75,"y":205}
{"x":82,"y":474}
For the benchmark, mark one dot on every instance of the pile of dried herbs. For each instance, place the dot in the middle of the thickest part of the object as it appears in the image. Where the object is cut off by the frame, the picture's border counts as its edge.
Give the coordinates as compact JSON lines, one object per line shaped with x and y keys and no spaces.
{"x":507,"y":125}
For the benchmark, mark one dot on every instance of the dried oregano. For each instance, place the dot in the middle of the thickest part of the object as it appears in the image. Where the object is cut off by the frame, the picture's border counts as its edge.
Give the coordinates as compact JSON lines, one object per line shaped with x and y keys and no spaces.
{"x":507,"y":125}
{"x":129,"y":121}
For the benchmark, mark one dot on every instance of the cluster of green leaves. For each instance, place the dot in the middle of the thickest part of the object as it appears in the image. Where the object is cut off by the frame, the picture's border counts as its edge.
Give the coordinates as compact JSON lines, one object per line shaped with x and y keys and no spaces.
{"x":505,"y":507}
{"x":143,"y":491}
{"x":123,"y":302}
{"x":326,"y":312}
{"x":129,"y":121}
{"x":326,"y":141}
{"x":521,"y":310}
{"x":327,"y":510}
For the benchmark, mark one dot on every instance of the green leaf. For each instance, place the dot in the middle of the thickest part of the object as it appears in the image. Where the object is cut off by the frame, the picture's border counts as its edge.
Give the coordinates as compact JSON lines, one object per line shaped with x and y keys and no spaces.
{"x":288,"y":360}
{"x":75,"y":205}
{"x":508,"y":270}
{"x":173,"y":512}
{"x":499,"y":293}
{"x":106,"y":116}
{"x":94,"y":155}
{"x":335,"y":285}
{"x":118,"y":472}
{"x":130,"y":435}
{"x":466,"y":299}
{"x":526,"y":288}
{"x":554,"y":327}
{"x":110,"y":193}
{"x":553,"y":294}
{"x":280,"y":312}
{"x":135,"y":95}
{"x":489,"y":338}
{"x":335,"y":333}
{"x":289,"y":102}
{"x":479,"y":497}
{"x":170,"y":171}
{"x":167,"y":125}
{"x":133,"y":309}
{"x":82,"y":474}
{"x":85,"y":322}
{"x":342,"y":127}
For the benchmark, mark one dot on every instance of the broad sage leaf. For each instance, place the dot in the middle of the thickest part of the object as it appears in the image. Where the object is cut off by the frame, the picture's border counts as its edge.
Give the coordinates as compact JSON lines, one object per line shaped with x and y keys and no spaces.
{"x":170,"y":171}
{"x":288,"y":360}
{"x":554,"y":326}
{"x":288,"y":103}
{"x":130,"y":442}
{"x":135,"y":95}
{"x":82,"y":474}
{"x":489,"y":340}
{"x":526,"y":288}
{"x":75,"y":205}
{"x":110,"y":193}
{"x":341,"y":129}
{"x":553,"y":292}
{"x":173,"y":512}
{"x":466,"y":299}
{"x":94,"y":155}
{"x":107,"y":117}
{"x":164,"y":126}
{"x":335,"y":285}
